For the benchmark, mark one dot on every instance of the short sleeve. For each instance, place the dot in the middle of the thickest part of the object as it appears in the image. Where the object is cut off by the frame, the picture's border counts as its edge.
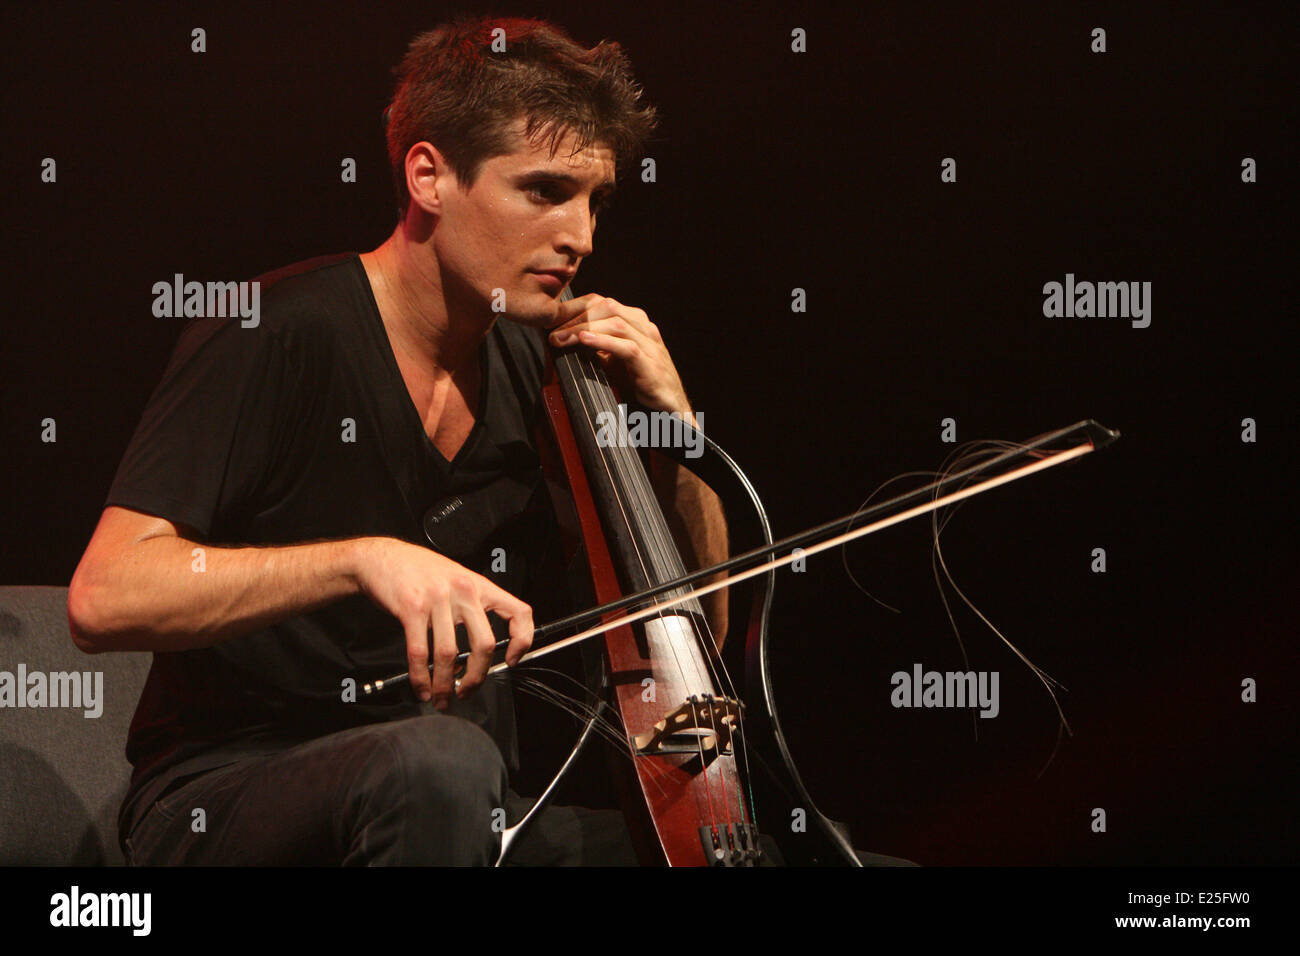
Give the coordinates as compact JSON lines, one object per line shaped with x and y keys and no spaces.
{"x":209,"y":436}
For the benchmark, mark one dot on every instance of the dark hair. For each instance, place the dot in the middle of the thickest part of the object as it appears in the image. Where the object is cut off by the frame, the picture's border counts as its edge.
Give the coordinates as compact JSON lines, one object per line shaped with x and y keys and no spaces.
{"x":453,"y":90}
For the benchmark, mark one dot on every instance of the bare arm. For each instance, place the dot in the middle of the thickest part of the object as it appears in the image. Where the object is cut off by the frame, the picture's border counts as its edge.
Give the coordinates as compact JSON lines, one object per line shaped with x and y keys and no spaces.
{"x":699,"y":527}
{"x":145,"y":584}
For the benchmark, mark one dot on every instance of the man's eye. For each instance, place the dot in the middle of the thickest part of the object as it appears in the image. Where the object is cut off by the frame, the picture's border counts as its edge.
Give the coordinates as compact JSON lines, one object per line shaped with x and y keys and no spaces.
{"x":543,"y":191}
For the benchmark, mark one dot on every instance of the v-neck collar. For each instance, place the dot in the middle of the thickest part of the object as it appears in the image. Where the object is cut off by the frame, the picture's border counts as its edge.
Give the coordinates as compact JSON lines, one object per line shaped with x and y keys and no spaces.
{"x":487,"y":361}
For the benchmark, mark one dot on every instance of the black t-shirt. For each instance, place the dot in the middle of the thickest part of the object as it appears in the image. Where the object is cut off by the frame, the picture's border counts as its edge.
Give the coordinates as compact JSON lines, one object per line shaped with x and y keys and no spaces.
{"x":302,"y":429}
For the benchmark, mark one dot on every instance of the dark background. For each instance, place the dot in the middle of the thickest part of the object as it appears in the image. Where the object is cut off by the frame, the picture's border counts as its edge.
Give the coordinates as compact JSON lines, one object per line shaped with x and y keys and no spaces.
{"x":818,"y":171}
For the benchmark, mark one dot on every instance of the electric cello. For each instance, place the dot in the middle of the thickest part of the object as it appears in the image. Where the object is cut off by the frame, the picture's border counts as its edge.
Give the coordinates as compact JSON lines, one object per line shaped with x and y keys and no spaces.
{"x":700,"y":756}
{"x":710,"y":780}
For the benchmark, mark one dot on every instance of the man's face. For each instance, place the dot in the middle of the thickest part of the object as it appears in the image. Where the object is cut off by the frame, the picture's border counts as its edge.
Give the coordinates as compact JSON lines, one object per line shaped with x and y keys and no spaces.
{"x":526,"y":214}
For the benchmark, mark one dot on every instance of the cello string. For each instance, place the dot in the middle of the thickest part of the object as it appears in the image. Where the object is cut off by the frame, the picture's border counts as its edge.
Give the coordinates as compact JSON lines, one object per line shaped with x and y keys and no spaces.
{"x":707,"y":647}
{"x":612,"y":459}
{"x":670,"y":565}
{"x":579,"y":361}
{"x":720,"y":677}
{"x":707,"y":644}
{"x":632,"y":478}
{"x":635,"y":480}
{"x":604,"y":726}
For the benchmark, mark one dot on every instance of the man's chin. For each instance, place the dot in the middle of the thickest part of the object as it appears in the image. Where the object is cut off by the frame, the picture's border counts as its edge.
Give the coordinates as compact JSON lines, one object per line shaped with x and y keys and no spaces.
{"x":538,"y":314}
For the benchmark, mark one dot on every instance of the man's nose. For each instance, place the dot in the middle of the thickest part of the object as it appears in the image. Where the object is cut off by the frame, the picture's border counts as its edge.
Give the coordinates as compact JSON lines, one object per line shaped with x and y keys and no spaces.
{"x":577,"y":235}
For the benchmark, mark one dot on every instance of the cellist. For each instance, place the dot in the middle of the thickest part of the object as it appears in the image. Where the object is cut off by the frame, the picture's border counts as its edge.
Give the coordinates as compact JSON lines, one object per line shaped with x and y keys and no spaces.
{"x":264,"y":535}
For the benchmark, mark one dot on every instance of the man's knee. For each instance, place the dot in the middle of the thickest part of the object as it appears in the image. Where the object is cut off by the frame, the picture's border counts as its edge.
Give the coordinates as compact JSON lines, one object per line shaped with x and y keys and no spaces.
{"x":436,"y":757}
{"x":431,"y":791}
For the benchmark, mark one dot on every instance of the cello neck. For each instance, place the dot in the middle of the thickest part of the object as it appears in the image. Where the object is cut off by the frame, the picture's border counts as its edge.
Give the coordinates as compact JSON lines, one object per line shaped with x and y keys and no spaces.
{"x":640,"y":540}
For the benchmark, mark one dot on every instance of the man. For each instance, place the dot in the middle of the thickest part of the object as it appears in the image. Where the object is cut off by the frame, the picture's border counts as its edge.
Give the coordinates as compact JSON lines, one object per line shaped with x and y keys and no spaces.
{"x":265,"y":535}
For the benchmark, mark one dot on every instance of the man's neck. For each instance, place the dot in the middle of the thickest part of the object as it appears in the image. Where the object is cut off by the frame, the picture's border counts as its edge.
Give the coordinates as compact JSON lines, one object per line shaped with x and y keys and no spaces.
{"x":414,"y":306}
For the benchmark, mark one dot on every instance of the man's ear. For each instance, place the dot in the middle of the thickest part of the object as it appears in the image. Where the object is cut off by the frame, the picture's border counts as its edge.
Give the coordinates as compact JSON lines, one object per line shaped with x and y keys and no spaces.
{"x":426,"y":170}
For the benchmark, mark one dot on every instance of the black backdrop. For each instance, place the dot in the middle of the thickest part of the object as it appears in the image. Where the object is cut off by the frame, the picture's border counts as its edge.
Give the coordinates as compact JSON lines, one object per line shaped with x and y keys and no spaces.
{"x":819,"y":171}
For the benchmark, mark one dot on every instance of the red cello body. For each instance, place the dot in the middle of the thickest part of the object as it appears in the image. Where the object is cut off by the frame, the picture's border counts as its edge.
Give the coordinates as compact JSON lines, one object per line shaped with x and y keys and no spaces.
{"x":702,"y":762}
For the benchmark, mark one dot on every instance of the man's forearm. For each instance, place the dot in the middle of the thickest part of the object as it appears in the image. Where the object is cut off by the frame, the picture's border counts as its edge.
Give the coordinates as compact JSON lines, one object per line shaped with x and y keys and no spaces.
{"x":168,"y":593}
{"x":699,"y":526}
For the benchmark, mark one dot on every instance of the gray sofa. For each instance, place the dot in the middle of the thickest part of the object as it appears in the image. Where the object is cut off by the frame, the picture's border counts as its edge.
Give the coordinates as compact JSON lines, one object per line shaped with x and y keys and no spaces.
{"x":62,"y":773}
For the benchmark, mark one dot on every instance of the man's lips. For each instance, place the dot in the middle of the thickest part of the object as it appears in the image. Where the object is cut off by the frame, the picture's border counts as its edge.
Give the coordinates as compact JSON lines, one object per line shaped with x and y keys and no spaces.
{"x":554,"y":280}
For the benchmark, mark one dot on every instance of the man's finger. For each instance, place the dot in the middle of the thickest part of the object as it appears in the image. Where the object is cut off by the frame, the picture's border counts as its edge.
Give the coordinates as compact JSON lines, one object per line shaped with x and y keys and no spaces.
{"x":625,"y":349}
{"x":575,"y":307}
{"x":444,"y":654}
{"x":481,"y":646}
{"x":417,"y":656}
{"x":521,"y":636}
{"x":520,"y":617}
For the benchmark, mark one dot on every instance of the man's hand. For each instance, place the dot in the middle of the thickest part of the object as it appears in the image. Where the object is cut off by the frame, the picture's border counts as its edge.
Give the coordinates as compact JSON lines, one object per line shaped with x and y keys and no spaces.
{"x":622,"y":333}
{"x":424,"y":590}
{"x":630,"y":347}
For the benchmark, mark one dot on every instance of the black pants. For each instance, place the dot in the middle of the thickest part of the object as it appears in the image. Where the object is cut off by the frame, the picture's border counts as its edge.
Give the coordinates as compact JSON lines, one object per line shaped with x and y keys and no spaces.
{"x":424,"y":791}
{"x":428,"y":791}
